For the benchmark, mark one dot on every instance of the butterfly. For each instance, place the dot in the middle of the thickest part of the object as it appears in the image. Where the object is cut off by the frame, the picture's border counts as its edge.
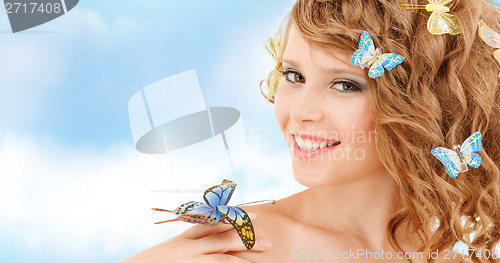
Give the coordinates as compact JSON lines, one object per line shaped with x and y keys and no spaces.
{"x":495,"y":3}
{"x":490,"y":37}
{"x":367,"y":56}
{"x":455,"y":161}
{"x":216,"y":198}
{"x":440,"y":22}
{"x":274,"y":47}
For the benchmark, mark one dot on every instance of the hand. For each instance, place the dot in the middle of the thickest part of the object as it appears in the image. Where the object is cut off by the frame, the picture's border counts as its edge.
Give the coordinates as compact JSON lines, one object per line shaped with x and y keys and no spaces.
{"x":200,"y":243}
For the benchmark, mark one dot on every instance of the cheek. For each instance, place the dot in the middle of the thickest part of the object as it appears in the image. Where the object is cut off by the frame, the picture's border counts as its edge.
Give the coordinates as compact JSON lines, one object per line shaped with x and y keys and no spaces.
{"x":354,"y":115}
{"x":281,"y":109}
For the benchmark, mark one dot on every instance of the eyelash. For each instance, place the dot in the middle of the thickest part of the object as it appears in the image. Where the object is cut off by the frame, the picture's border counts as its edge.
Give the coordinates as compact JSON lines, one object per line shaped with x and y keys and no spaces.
{"x":285,"y":73}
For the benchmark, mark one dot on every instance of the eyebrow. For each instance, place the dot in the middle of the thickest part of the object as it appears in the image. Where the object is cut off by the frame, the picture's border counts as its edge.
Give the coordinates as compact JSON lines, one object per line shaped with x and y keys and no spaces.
{"x":329,"y":70}
{"x":291,"y":62}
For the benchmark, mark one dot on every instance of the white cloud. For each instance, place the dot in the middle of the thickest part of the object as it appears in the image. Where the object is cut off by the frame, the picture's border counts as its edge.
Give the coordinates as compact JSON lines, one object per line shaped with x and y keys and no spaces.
{"x":69,"y":201}
{"x":79,"y":202}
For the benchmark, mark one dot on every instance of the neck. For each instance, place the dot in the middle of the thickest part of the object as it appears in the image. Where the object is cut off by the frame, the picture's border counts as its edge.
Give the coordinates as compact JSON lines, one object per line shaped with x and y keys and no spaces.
{"x":361,"y":208}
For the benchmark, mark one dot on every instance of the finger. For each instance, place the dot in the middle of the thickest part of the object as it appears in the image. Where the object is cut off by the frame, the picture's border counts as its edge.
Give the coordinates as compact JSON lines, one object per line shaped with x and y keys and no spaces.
{"x":217,"y":258}
{"x":228,"y":241}
{"x":200,"y":230}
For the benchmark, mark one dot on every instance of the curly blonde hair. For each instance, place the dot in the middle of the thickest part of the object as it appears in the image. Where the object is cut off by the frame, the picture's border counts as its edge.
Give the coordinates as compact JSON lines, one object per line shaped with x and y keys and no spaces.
{"x":446,"y":89}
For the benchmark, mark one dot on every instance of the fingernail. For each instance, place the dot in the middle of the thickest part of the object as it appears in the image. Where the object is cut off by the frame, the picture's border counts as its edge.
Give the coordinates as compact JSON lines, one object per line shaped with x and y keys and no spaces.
{"x":265,"y":243}
{"x":252,"y":215}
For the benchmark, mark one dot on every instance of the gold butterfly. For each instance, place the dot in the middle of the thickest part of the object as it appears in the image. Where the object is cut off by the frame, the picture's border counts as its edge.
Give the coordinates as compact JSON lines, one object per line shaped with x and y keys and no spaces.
{"x":274,"y":47}
{"x":440,"y":22}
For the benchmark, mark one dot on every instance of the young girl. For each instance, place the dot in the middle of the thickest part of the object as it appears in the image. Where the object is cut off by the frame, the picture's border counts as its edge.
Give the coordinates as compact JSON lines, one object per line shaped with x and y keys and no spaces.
{"x":363,"y":145}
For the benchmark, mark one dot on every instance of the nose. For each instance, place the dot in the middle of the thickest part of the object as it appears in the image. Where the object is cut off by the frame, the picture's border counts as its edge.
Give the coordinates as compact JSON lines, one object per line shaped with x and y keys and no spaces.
{"x":307,"y":105}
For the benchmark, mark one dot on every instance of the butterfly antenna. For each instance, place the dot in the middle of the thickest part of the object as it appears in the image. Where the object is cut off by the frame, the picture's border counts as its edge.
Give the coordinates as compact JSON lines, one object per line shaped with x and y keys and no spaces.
{"x":171,"y":220}
{"x":269,"y":200}
{"x":165,"y":210}
{"x":410,"y":6}
{"x":162,"y":210}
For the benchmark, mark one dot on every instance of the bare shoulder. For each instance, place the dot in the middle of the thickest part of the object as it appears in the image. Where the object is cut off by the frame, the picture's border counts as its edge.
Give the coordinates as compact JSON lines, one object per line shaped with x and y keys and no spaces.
{"x":272,"y":212}
{"x":267,"y":214}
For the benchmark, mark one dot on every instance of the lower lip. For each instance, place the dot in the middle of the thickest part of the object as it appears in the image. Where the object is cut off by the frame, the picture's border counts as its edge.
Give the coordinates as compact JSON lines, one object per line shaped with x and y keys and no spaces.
{"x":308,"y":155}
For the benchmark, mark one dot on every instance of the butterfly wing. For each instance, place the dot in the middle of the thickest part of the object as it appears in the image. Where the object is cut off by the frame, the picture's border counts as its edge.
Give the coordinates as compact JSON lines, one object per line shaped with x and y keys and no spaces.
{"x":240,"y":220}
{"x":376,"y":69}
{"x":469,"y":147}
{"x":388,"y":61}
{"x":274,"y":45}
{"x":194,"y":212}
{"x":449,"y":159}
{"x":497,"y":55}
{"x":441,"y":23}
{"x":440,"y":2}
{"x":219,"y":194}
{"x":365,"y":50}
{"x":489,"y":36}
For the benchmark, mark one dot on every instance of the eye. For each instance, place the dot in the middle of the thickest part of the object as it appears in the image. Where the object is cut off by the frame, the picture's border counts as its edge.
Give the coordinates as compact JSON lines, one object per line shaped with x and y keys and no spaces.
{"x":292,"y":76}
{"x":345,"y":86}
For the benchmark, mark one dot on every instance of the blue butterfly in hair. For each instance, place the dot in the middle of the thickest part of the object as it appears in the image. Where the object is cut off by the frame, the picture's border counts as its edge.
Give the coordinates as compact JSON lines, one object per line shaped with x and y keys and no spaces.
{"x":367,"y":56}
{"x":456,"y":160}
{"x":216,"y":198}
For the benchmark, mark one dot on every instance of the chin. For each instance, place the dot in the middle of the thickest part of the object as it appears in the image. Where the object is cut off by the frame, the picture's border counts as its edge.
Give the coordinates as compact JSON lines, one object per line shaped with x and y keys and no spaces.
{"x":310,"y":178}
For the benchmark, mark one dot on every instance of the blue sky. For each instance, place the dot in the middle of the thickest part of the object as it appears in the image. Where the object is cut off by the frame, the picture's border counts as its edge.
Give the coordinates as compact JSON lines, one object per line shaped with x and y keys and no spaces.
{"x":103,"y":53}
{"x":72,"y":186}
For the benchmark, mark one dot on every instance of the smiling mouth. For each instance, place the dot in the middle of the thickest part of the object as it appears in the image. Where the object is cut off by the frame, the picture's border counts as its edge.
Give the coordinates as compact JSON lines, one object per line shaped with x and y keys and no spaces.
{"x":311,"y":148}
{"x":309,"y":144}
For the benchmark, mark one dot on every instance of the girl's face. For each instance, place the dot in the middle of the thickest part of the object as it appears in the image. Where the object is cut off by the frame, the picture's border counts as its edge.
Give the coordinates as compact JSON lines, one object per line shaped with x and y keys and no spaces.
{"x":324,"y":100}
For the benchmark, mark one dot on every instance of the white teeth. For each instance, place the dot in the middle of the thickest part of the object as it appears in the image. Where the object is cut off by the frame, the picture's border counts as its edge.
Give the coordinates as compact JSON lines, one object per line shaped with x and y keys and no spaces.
{"x":309,"y":145}
{"x":322,"y":145}
{"x":300,"y":142}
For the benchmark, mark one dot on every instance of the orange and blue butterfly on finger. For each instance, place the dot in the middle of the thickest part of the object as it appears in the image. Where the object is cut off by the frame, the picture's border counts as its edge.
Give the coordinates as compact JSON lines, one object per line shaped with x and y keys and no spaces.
{"x":366,"y":56}
{"x":214,"y":210}
{"x":455,"y":161}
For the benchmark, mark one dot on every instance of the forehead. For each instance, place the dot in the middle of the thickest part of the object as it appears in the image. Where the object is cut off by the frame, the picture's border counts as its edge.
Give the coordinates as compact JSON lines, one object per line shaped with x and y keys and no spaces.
{"x":300,"y":50}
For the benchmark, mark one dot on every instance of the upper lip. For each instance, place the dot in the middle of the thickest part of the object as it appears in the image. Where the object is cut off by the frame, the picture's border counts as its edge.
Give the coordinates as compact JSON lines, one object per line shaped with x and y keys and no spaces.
{"x":312,"y":137}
